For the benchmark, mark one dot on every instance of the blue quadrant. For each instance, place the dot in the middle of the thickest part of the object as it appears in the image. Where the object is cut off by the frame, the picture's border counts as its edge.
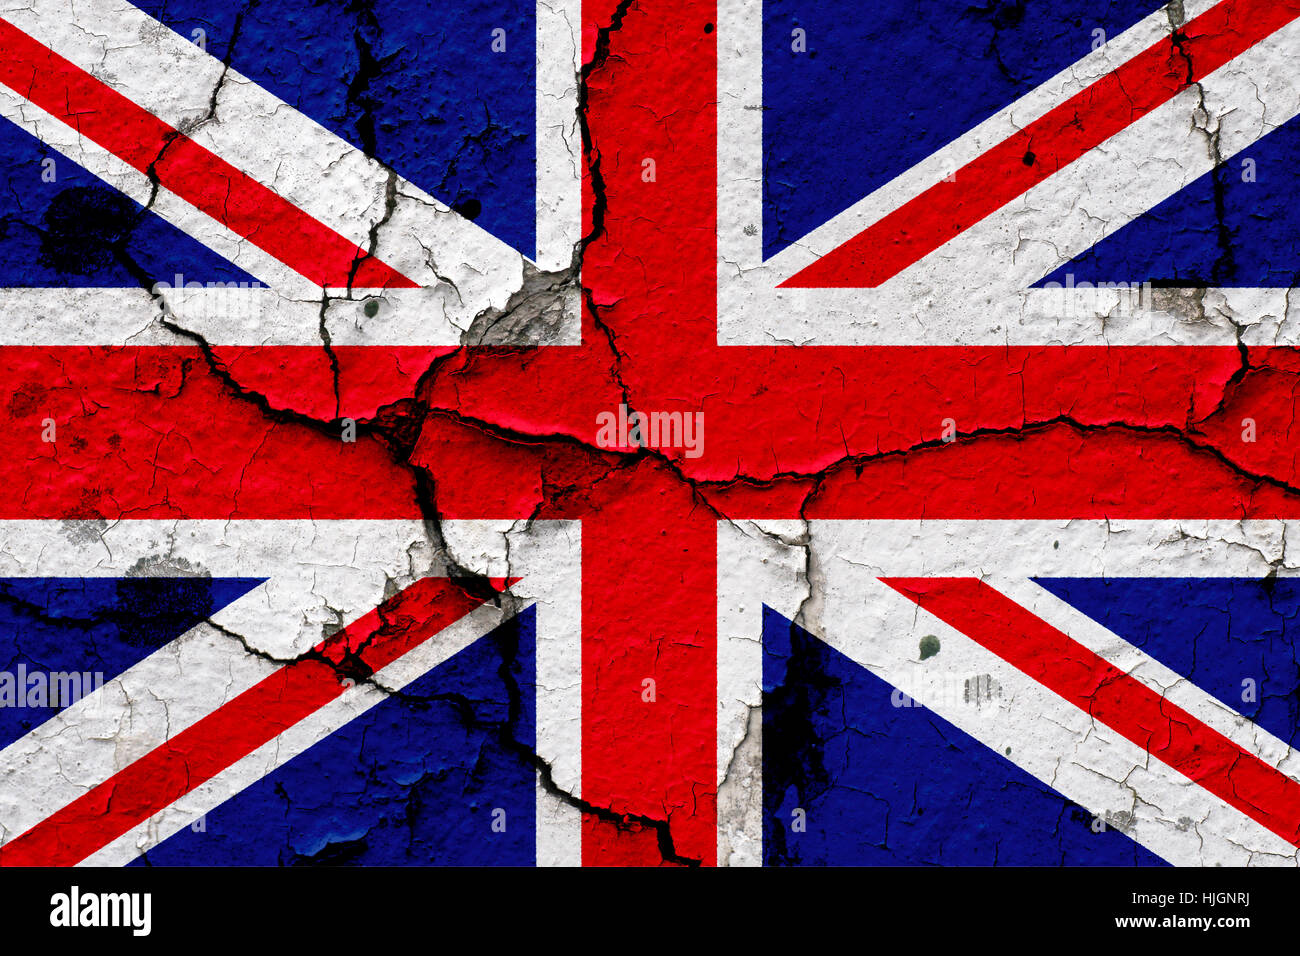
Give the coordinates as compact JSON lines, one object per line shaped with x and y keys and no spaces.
{"x":418,"y":779}
{"x":77,"y":231}
{"x":415,"y":85}
{"x":1236,"y":226}
{"x":883,"y":85}
{"x":884,"y":785}
{"x":1235,"y":638}
{"x":95,"y":626}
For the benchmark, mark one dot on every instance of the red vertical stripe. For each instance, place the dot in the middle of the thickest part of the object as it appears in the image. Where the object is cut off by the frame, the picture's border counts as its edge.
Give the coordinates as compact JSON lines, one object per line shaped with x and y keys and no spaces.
{"x":649,"y":614}
{"x":649,"y":549}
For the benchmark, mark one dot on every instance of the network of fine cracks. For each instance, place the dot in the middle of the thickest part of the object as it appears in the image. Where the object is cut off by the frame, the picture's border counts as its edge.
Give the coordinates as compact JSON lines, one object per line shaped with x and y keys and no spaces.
{"x":529,"y":316}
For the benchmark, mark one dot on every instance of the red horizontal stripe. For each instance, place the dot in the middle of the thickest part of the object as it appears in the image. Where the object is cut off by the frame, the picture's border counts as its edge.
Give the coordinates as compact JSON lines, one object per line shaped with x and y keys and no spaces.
{"x":1127,"y":706}
{"x":182,"y":166}
{"x":1040,"y":432}
{"x":1047,"y":145}
{"x":227,"y":735}
{"x":151,"y":432}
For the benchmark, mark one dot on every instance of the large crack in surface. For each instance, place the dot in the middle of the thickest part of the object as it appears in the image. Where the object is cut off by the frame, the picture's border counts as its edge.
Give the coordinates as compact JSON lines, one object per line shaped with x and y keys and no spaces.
{"x":537,"y":307}
{"x":535,"y":311}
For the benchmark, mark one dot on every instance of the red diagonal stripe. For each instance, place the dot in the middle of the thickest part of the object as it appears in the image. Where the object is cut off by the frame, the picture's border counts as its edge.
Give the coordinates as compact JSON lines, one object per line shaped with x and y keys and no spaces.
{"x":1127,"y":706}
{"x":232,"y":732}
{"x":1047,"y":145}
{"x":182,"y":166}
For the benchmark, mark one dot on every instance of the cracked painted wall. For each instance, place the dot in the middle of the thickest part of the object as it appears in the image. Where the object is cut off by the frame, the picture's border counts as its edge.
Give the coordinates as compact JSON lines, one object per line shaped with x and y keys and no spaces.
{"x":479,"y":631}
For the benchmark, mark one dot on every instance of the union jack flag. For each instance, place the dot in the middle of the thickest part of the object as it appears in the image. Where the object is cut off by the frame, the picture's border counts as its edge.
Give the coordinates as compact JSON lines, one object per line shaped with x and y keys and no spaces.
{"x":951,"y":355}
